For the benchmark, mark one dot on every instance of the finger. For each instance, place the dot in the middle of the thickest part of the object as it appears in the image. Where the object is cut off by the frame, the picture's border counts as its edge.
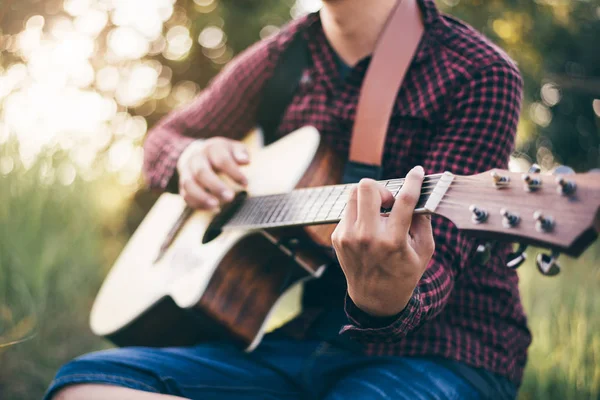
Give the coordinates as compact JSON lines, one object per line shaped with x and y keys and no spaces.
{"x":222,"y":160}
{"x":422,"y":235}
{"x":406,"y":201}
{"x":368,"y":205}
{"x":387,"y":198}
{"x":208,"y":180}
{"x":349,"y":216}
{"x":240,"y":153}
{"x":195,"y":196}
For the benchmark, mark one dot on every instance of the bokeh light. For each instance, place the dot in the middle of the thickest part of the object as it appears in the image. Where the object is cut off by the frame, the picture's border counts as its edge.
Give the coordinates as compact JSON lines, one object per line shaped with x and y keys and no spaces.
{"x":81,"y":72}
{"x":90,"y":72}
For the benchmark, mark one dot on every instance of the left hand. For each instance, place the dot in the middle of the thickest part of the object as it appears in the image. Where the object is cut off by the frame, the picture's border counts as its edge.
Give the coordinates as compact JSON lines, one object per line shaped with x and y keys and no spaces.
{"x":383,"y":257}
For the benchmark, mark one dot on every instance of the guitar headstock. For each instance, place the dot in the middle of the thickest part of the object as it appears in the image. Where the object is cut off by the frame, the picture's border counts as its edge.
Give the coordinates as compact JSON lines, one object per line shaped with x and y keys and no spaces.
{"x":561,"y":212}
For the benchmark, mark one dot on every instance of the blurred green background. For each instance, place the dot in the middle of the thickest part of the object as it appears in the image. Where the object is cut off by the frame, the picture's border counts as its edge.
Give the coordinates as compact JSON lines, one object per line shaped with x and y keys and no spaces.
{"x":82,"y":80}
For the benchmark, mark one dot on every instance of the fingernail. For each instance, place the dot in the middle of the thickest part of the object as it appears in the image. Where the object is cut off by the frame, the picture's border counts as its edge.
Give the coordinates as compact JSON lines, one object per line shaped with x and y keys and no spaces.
{"x":241,"y":155}
{"x":227,"y":195}
{"x":212,"y":202}
{"x":419,"y":169}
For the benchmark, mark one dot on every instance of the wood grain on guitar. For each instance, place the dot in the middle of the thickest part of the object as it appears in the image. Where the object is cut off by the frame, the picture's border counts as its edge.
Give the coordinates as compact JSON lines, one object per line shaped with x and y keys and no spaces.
{"x":192,"y":276}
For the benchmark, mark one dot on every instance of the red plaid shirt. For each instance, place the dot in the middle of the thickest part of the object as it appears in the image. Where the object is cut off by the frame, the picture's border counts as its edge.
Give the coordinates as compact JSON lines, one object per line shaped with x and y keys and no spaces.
{"x":457,"y":111}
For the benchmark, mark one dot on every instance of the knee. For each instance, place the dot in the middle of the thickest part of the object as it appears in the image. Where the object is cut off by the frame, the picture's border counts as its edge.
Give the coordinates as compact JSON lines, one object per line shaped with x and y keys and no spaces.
{"x":96,"y":375}
{"x":90,"y":391}
{"x":78,"y":392}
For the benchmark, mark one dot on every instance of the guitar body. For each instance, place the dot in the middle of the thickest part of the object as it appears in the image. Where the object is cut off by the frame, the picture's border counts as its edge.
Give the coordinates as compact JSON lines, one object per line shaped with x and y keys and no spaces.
{"x":229,"y":287}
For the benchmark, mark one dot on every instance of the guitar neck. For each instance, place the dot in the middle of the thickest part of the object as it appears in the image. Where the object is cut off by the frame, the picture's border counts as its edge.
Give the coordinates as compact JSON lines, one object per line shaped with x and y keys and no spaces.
{"x":321,"y":205}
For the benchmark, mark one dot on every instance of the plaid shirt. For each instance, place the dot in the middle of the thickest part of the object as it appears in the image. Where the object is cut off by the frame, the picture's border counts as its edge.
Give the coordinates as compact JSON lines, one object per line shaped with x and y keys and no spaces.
{"x":457,"y":111}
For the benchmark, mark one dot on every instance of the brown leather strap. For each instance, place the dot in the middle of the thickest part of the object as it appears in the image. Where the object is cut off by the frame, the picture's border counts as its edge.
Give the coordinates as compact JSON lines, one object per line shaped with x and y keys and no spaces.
{"x":391,"y":59}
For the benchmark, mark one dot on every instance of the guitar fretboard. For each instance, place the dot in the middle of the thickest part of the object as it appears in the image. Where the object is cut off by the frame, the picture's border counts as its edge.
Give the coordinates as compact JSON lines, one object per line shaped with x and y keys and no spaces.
{"x":309,"y":206}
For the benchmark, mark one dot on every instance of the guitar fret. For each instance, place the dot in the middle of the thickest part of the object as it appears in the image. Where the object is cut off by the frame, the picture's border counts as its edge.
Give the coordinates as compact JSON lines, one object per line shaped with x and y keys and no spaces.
{"x":254,"y":212}
{"x":273,"y":211}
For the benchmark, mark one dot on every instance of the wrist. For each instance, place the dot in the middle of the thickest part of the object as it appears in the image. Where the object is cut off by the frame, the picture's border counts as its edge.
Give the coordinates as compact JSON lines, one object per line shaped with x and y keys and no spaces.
{"x":187,"y":152}
{"x":382,"y":305}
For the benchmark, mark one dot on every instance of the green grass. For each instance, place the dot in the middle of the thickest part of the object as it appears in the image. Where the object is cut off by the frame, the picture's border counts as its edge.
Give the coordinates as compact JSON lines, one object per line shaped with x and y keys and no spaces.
{"x":563,"y":312}
{"x":51,"y":263}
{"x":56,"y":244}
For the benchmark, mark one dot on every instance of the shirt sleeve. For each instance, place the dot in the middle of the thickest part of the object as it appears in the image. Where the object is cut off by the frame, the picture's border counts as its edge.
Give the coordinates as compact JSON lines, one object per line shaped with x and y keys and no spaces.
{"x":227,"y":107}
{"x":478,"y":135}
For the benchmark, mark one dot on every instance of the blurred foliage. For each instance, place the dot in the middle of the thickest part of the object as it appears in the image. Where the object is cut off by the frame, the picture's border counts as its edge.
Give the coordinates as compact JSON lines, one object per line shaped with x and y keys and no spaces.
{"x":555,"y":44}
{"x":50,"y":262}
{"x":70,"y":198}
{"x":564,"y":358}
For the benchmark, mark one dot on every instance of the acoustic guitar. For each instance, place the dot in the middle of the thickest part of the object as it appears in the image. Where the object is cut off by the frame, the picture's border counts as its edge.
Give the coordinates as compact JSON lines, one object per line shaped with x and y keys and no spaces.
{"x":190,"y":276}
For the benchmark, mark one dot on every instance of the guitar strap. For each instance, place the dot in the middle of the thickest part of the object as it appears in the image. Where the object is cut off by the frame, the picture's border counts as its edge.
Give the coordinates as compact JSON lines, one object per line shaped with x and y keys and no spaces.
{"x":394,"y":52}
{"x":279,"y":90}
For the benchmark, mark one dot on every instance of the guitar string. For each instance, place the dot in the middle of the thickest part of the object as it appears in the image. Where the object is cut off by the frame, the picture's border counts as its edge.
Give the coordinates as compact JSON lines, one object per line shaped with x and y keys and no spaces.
{"x":336,"y":219}
{"x":392,"y":185}
{"x":444,"y":202}
{"x":342,"y":197}
{"x":429,"y":179}
{"x":326,"y":213}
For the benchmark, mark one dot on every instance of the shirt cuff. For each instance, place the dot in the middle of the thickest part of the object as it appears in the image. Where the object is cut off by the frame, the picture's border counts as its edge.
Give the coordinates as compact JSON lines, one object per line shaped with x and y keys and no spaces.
{"x":367,"y":328}
{"x":169,"y":180}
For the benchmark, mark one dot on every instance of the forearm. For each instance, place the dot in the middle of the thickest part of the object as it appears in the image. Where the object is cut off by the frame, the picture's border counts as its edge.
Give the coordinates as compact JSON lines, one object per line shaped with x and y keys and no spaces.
{"x":227,"y":107}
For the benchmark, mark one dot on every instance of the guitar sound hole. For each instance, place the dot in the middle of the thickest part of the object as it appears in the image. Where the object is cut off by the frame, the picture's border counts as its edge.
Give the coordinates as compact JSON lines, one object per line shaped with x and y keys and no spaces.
{"x":216,"y":226}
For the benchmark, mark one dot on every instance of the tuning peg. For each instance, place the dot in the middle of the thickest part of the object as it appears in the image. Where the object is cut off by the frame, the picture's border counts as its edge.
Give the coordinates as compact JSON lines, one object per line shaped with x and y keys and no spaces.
{"x":479,"y":214}
{"x":500,"y":180}
{"x":565,"y":187}
{"x":534,"y":169}
{"x":509,"y":220}
{"x":548,"y":264}
{"x":483,"y":253}
{"x":563,"y":170}
{"x":531,"y":183}
{"x":517,"y":258}
{"x":543,"y":223}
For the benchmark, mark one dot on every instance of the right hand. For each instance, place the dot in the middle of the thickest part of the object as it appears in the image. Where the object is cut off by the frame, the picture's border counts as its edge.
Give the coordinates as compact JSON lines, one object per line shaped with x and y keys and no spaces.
{"x":199,"y":165}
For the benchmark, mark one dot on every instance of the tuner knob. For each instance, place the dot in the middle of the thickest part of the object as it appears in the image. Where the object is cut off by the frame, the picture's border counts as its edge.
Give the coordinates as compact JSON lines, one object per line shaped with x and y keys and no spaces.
{"x":548,"y":264}
{"x":483,"y":253}
{"x":516,"y":259}
{"x":535,"y":169}
{"x":565,"y":187}
{"x":500,"y":180}
{"x":479,"y":214}
{"x":563,"y":170}
{"x":509,"y":220}
{"x":531,"y":183}
{"x":543,"y":224}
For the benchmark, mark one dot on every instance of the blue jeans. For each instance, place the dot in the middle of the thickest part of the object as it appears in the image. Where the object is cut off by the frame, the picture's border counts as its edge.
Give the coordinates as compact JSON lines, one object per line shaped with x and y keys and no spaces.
{"x":280,"y":368}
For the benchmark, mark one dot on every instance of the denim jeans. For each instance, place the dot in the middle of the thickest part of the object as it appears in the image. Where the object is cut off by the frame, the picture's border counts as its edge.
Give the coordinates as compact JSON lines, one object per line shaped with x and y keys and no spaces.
{"x":280,"y":368}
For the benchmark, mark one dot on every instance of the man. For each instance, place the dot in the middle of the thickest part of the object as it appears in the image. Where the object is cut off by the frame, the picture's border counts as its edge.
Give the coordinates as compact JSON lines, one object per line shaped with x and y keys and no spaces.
{"x":418,"y":323}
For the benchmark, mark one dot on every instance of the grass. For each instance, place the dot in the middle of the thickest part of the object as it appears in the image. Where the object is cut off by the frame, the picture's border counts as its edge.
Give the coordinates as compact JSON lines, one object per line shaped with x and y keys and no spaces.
{"x":56,"y":242}
{"x":51,"y":263}
{"x":564,"y":359}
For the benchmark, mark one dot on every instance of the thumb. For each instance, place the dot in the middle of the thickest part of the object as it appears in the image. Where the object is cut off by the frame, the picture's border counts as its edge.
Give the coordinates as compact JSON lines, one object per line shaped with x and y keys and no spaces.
{"x":240,"y":152}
